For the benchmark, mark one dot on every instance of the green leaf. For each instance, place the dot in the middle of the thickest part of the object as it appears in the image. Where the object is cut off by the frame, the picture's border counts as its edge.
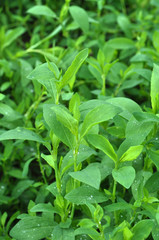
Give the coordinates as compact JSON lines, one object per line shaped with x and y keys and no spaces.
{"x":118,"y":206}
{"x":100,"y":142}
{"x":21,"y":187}
{"x":127,"y":105}
{"x":84,"y":153}
{"x":95,"y":73}
{"x":9,"y":113}
{"x":90,"y":175}
{"x":154,"y":156}
{"x":65,"y":118}
{"x":41,"y":10}
{"x":32,"y":228}
{"x":63,"y":234}
{"x":131,"y":154}
{"x":146,"y":117}
{"x":21,"y":133}
{"x":46,"y":77}
{"x":74,"y":67}
{"x":132,"y":139}
{"x":86,"y":222}
{"x":124,"y":175}
{"x":155,"y":88}
{"x":99,"y":114}
{"x":86,"y":194}
{"x":43,"y":207}
{"x":124,"y":24}
{"x":156,"y":40}
{"x":26,"y":68}
{"x":59,"y":129}
{"x":142,"y":229}
{"x":26,"y":167}
{"x":12,"y":35}
{"x":90,"y":232}
{"x":49,"y":159}
{"x":121,"y":43}
{"x":80,"y":17}
{"x":152,"y":184}
{"x":3,"y":219}
{"x":74,"y":106}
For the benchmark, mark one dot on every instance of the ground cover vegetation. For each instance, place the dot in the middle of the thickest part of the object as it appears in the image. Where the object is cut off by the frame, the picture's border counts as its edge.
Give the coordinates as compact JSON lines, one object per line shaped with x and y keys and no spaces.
{"x":79,"y":120}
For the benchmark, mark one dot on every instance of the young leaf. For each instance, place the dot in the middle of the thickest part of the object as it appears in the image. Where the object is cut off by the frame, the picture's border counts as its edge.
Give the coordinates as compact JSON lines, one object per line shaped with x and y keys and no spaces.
{"x":100,"y":142}
{"x":72,"y":70}
{"x":132,"y":139}
{"x":12,"y":35}
{"x":26,"y":167}
{"x":41,"y":10}
{"x":131,"y":154}
{"x":124,"y":175}
{"x":99,"y":114}
{"x":84,"y":153}
{"x":9,"y":113}
{"x":156,"y":40}
{"x":86,"y":222}
{"x":86,"y":194}
{"x":155,"y":88}
{"x":65,"y":118}
{"x":46,"y":77}
{"x":48,"y":159}
{"x":89,"y":175}
{"x":80,"y":17}
{"x":3,"y":219}
{"x":74,"y":106}
{"x":58,"y":128}
{"x":21,"y":133}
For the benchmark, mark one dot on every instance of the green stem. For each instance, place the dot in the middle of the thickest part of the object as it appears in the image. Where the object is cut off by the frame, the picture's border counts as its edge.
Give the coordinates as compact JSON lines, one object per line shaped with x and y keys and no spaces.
{"x":57,"y":98}
{"x":123,"y":6}
{"x":103,"y":87}
{"x":113,"y":200}
{"x":40,"y":164}
{"x":57,"y":176}
{"x":118,"y":87}
{"x":55,"y":145}
{"x":114,"y":192}
{"x":72,"y":211}
{"x":32,"y":108}
{"x":75,"y":153}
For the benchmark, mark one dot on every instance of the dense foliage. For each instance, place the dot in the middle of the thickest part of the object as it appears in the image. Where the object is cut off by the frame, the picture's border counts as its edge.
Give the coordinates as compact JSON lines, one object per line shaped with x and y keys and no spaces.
{"x":79,"y":120}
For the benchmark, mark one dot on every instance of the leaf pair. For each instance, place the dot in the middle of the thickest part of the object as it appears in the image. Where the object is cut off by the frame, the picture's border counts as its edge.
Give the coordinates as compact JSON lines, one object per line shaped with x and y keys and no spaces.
{"x":124,"y":175}
{"x":49,"y":76}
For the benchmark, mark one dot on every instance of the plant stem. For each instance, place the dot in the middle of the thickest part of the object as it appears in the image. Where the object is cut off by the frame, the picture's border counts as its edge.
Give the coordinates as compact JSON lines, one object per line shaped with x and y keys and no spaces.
{"x":123,"y":6}
{"x":73,"y":210}
{"x":32,"y":108}
{"x":103,"y":87}
{"x":40,"y":164}
{"x":114,"y":191}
